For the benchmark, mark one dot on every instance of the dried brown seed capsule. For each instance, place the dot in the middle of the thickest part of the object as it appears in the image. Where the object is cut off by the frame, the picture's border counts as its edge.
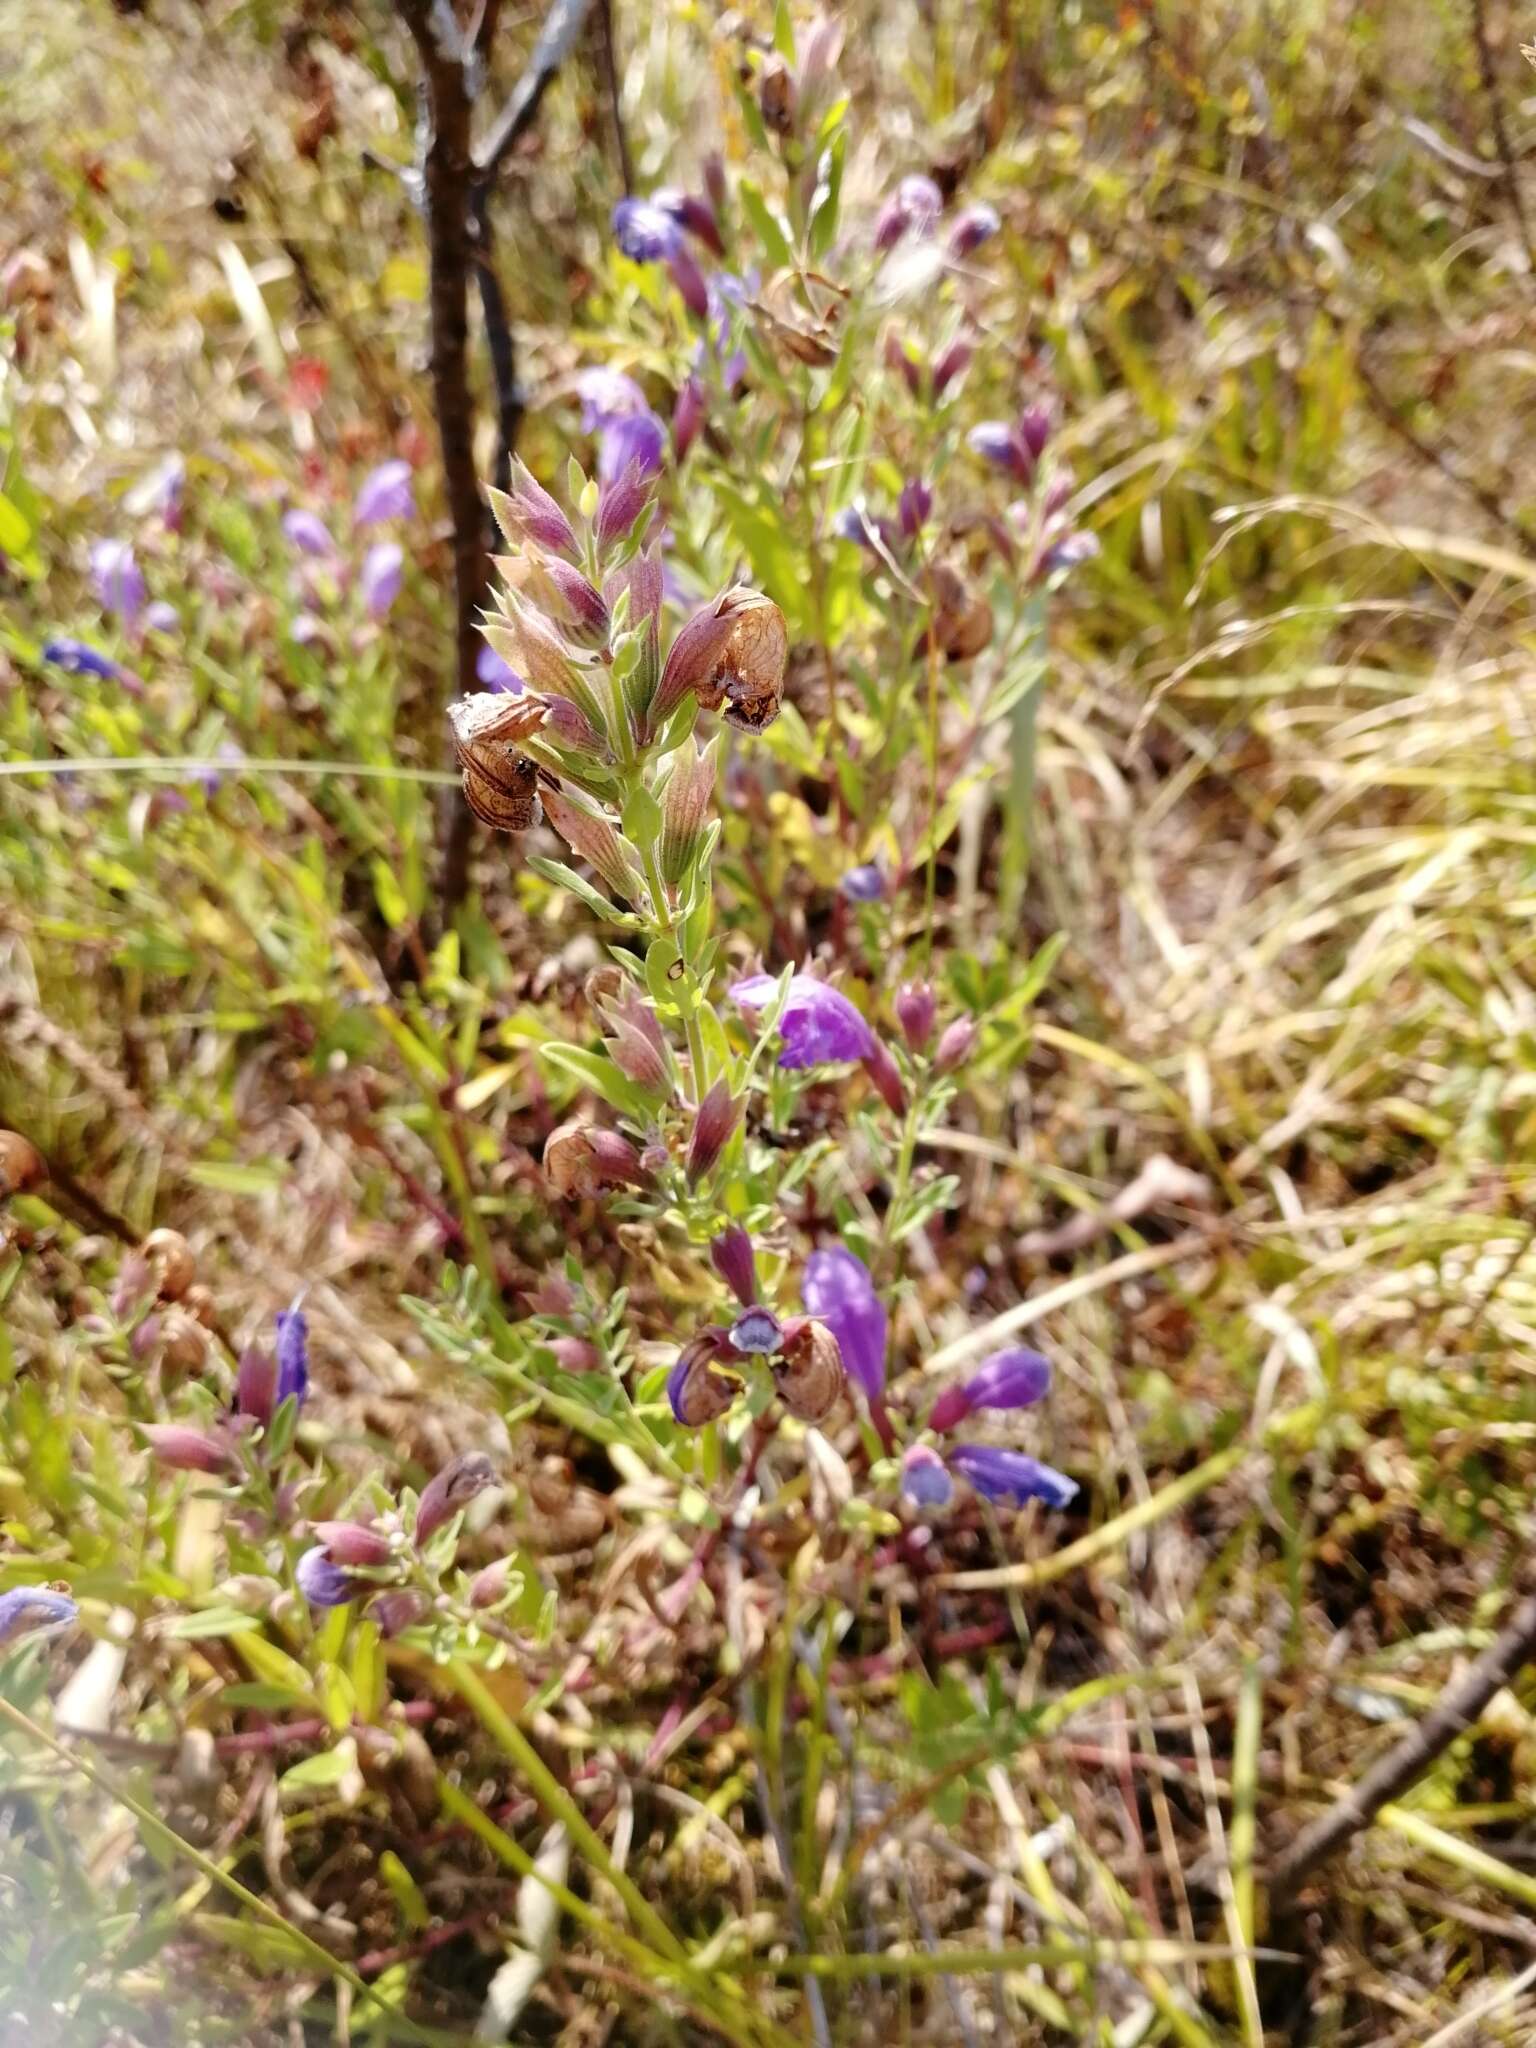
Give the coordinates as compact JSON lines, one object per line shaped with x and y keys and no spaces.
{"x":809,"y":1369}
{"x":501,"y":785}
{"x":751,"y":671}
{"x":21,"y":1165}
{"x":184,"y":1348}
{"x":169,"y":1259}
{"x":962,"y":618}
{"x":584,"y":1159}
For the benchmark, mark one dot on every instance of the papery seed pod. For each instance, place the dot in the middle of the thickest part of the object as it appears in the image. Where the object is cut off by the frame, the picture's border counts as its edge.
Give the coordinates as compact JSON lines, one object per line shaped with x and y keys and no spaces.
{"x":696,"y":1389}
{"x":184,"y":1346}
{"x":589,"y":833}
{"x":684,"y":809}
{"x":584,"y":1160}
{"x":962,"y":618}
{"x":21,"y":1165}
{"x":458,"y":1483}
{"x":916,"y":1010}
{"x":713,"y":1125}
{"x":750,"y":671}
{"x":169,"y":1259}
{"x":352,"y":1543}
{"x":956,"y":1043}
{"x":528,"y":512}
{"x":182,"y":1449}
{"x":198,"y":1302}
{"x":809,"y":1369}
{"x":501,"y":786}
{"x":776,"y":96}
{"x":732,"y":1257}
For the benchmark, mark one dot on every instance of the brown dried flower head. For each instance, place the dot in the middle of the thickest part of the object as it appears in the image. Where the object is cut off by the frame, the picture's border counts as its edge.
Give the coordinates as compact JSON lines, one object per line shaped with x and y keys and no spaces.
{"x":808,"y":1371}
{"x":21,"y":1165}
{"x":585,"y":1159}
{"x":501,"y":784}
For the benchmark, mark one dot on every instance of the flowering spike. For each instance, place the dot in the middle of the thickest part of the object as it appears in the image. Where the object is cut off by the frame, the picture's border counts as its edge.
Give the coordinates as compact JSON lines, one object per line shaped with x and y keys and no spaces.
{"x":732,"y":1257}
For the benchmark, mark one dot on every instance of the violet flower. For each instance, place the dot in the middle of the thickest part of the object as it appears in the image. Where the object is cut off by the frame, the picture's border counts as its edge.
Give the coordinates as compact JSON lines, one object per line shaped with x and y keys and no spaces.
{"x":694,"y":214}
{"x":381,"y":576}
{"x":81,"y":659}
{"x":1011,"y":1476}
{"x":818,"y":1024}
{"x":838,"y":1291}
{"x":688,"y":415}
{"x":308,"y":532}
{"x":606,"y":395}
{"x":161,"y":617}
{"x":628,"y":440}
{"x":1016,"y":1378}
{"x":732,"y":1257}
{"x":292,"y":1355}
{"x":25,"y":1609}
{"x":696,"y":1392}
{"x":863,"y":884}
{"x":757,"y":1332}
{"x":385,"y":493}
{"x":914,"y":506}
{"x":977,"y":224}
{"x":924,"y":1479}
{"x":915,"y":205}
{"x":118,"y":581}
{"x":495,"y":674}
{"x":322,"y":1583}
{"x":647,"y":233}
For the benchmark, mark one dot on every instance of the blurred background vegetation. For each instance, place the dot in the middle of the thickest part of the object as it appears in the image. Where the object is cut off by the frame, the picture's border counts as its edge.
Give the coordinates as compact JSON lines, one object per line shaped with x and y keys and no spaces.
{"x":1275,"y":264}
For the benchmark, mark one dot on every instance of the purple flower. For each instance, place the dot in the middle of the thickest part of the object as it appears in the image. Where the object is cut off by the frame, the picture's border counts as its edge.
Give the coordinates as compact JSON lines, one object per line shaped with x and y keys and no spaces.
{"x":27,"y":1608}
{"x":118,"y":580}
{"x":853,"y":523}
{"x":977,"y":224}
{"x":1069,"y":552}
{"x":1010,"y":1379}
{"x":818,"y":1024}
{"x":292,"y":1355}
{"x":757,"y":1332}
{"x":308,"y":532}
{"x":385,"y":493}
{"x":256,"y":1384}
{"x":646,"y":232}
{"x":696,"y":1392}
{"x":916,"y":204}
{"x":696,"y":215}
{"x":638,"y":438}
{"x":322,"y":1583}
{"x":924,"y":1480}
{"x":381,"y":576}
{"x":161,"y":618}
{"x":606,"y":395}
{"x":995,"y":441}
{"x":494,"y":673}
{"x":914,"y":506}
{"x":623,"y":500}
{"x":916,"y":1009}
{"x":688,"y":415}
{"x":863,"y":885}
{"x":80,"y":659}
{"x":1010,"y":1475}
{"x":453,"y":1488}
{"x":838,"y":1291}
{"x":950,"y":363}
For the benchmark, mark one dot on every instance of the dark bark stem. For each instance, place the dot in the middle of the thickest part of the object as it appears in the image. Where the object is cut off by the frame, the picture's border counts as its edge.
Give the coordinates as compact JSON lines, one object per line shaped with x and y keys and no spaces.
{"x":499,"y":341}
{"x":611,"y":80}
{"x":1458,"y":1710}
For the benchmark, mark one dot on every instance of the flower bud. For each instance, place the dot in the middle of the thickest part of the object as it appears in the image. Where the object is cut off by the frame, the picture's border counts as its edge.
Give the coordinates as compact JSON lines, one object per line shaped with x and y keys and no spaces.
{"x":886,"y":1075}
{"x":1010,"y":1379}
{"x":564,"y":594}
{"x":256,"y":1384}
{"x":489,"y":1585}
{"x":182,"y":1449}
{"x":620,"y":505}
{"x":585,"y":1159}
{"x":501,"y":786}
{"x":977,"y":224}
{"x":688,"y":415}
{"x":690,"y":281}
{"x":900,"y":358}
{"x":569,"y":726}
{"x":809,"y":1370}
{"x":530,"y":513}
{"x":914,"y":506}
{"x":916,"y":1008}
{"x":21,"y":1165}
{"x":1035,"y":423}
{"x":697,"y":1390}
{"x":925,"y":1479}
{"x":684,"y":808}
{"x":587,"y":831}
{"x":458,"y":1483}
{"x":576,"y":1354}
{"x":638,"y":1058}
{"x":322,"y":1583}
{"x":169,"y":1259}
{"x":394,"y":1612}
{"x":732,"y":1257}
{"x":352,"y":1543}
{"x":716,"y":1119}
{"x":957,"y":1042}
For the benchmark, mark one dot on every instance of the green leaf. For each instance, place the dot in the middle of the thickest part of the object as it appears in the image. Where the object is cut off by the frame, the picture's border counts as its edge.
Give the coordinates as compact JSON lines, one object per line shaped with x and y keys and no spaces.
{"x":597,"y":1072}
{"x":784,"y":31}
{"x":326,"y":1768}
{"x":214,"y":1621}
{"x":15,"y":527}
{"x":567,"y":878}
{"x":827,"y":199}
{"x":230,"y":1177}
{"x":389,"y":895}
{"x":773,"y":236}
{"x":642,"y":817}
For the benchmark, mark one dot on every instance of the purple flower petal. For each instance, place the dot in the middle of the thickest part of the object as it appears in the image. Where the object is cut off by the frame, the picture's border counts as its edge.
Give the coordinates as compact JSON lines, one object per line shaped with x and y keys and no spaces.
{"x":632,"y":438}
{"x":606,"y":395}
{"x":292,"y":1354}
{"x":385,"y":493}
{"x":161,"y":618}
{"x":322,"y":1583}
{"x":81,"y":659}
{"x":495,"y":674}
{"x":1010,"y":1379}
{"x":118,"y":580}
{"x":381,"y":576}
{"x":818,"y":1024}
{"x":863,"y":885}
{"x":924,"y":1479}
{"x":27,"y":1608}
{"x":757,"y":1332}
{"x":646,"y":233}
{"x":977,"y":224}
{"x":838,"y":1291}
{"x":308,"y":532}
{"x":1010,"y":1475}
